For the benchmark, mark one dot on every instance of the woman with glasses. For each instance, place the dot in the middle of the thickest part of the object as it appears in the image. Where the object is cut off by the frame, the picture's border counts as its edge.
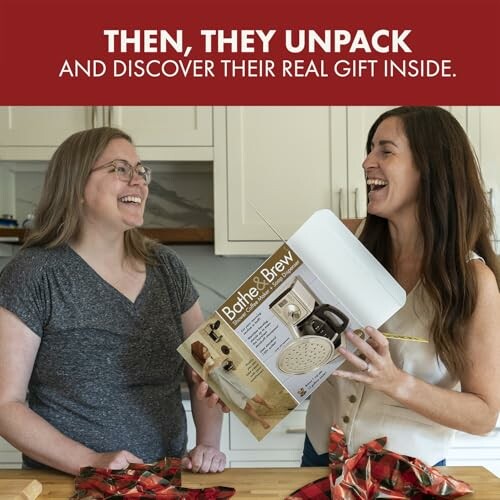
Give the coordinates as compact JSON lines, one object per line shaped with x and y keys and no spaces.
{"x":91,"y":315}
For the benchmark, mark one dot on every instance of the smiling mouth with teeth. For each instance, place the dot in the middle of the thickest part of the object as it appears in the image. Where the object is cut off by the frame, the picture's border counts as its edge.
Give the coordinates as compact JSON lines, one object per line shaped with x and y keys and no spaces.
{"x":130,"y":199}
{"x":376,"y":184}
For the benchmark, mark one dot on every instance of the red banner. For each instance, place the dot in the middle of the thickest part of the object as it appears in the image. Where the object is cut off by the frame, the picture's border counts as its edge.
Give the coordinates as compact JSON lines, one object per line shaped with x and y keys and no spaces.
{"x":332,"y":52}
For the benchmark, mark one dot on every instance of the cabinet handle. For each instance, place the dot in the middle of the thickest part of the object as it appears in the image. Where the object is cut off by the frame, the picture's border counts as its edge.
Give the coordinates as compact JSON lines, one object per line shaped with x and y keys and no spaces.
{"x":490,"y":197}
{"x":295,"y":430}
{"x":110,"y":115}
{"x":93,"y":116}
{"x":340,"y":203}
{"x":356,"y":203}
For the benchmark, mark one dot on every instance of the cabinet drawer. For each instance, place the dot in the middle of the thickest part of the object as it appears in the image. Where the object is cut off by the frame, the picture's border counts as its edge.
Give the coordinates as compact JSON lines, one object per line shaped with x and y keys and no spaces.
{"x":10,"y":458}
{"x":490,"y":440}
{"x":287,"y":435}
{"x":492,"y":464}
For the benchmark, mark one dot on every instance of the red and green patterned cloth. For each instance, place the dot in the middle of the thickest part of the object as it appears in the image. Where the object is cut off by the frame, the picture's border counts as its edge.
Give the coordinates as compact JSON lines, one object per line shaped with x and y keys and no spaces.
{"x":374,"y":472}
{"x":161,"y":481}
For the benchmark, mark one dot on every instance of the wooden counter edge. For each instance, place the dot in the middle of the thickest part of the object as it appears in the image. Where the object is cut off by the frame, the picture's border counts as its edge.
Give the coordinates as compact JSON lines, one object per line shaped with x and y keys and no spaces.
{"x":257,"y":483}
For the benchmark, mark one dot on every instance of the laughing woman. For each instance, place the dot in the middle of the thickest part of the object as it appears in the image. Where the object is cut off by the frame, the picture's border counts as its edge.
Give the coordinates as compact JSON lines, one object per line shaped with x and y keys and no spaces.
{"x":91,"y":314}
{"x":430,"y":225}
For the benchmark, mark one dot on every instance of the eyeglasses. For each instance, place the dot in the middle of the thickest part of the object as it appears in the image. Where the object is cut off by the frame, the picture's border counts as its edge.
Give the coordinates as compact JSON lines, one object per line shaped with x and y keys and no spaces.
{"x":125,"y":171}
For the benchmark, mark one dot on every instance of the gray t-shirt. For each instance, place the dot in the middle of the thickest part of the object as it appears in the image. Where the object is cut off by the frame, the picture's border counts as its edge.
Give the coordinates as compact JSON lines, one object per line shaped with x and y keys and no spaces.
{"x":107,"y":373}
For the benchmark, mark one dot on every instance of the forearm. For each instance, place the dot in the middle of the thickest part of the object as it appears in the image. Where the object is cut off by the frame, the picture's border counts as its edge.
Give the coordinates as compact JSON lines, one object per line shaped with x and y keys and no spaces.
{"x":35,"y":437}
{"x":463,"y":411}
{"x":208,"y":421}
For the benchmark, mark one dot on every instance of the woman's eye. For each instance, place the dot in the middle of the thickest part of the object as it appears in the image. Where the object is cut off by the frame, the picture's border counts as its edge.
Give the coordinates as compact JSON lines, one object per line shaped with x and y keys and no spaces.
{"x":121,"y":169}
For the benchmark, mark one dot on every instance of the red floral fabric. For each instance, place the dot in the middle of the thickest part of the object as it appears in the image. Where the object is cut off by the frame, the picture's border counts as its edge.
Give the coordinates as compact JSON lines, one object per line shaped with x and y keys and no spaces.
{"x":161,"y":481}
{"x":375,"y":472}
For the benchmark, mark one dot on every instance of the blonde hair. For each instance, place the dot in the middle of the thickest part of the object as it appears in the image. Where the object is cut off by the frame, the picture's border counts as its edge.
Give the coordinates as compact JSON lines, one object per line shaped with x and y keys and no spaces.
{"x":59,"y":213}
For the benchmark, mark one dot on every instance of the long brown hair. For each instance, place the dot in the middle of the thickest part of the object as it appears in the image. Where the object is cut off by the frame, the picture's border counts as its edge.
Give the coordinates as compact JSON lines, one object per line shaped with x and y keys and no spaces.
{"x":59,"y":213}
{"x":454,"y":217}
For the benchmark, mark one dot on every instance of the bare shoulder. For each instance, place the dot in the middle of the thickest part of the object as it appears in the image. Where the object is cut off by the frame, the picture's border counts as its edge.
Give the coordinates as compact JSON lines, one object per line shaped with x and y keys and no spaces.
{"x":486,"y":281}
{"x":485,"y":316}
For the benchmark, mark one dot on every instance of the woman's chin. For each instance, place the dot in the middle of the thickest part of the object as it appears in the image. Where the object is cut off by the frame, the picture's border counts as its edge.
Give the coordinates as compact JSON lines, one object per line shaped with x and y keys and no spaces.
{"x":131,"y":223}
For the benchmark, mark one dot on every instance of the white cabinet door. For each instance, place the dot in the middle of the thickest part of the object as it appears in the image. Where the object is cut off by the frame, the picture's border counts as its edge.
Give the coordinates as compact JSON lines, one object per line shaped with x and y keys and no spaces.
{"x":172,"y":133}
{"x":483,"y":127}
{"x":10,"y":458}
{"x":282,"y":447}
{"x":477,"y":450}
{"x":165,"y":125}
{"x":33,"y":132}
{"x":278,"y":159}
{"x":164,"y":133}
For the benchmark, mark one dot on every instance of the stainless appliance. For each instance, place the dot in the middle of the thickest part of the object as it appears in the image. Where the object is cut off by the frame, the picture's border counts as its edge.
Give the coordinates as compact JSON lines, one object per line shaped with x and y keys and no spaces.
{"x":316,"y":328}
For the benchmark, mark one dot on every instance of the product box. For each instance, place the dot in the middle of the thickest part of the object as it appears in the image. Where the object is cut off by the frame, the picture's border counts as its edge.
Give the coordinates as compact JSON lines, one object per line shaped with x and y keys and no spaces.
{"x":276,"y":338}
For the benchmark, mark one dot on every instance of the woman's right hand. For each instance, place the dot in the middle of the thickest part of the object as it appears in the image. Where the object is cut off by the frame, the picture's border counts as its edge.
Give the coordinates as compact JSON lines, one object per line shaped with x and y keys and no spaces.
{"x":203,"y":392}
{"x":112,"y":460}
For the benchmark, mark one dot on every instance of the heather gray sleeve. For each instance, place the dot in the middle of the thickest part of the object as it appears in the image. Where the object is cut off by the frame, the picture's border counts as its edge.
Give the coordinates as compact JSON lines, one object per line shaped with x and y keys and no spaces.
{"x":24,"y":291}
{"x":185,"y":291}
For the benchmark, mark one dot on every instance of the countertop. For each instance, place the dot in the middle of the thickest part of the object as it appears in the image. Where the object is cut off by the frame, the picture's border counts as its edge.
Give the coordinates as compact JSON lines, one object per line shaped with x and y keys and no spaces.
{"x":262,"y":484}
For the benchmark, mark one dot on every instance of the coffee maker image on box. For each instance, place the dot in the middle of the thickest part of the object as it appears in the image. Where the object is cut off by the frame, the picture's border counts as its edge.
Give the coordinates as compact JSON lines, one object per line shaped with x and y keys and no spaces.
{"x":315,"y":327}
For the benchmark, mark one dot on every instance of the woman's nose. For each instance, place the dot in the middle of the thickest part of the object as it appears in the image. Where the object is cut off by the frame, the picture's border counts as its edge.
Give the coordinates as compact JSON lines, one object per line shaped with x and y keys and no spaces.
{"x":136,"y":178}
{"x":369,"y":161}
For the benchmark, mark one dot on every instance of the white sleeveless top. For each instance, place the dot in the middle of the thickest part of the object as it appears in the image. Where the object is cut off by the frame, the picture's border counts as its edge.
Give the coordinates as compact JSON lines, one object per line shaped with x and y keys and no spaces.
{"x":365,"y":414}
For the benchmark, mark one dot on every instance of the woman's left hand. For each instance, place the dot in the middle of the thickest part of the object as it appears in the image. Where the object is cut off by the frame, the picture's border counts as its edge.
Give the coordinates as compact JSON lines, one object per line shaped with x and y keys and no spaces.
{"x":373,"y":360}
{"x":204,"y":459}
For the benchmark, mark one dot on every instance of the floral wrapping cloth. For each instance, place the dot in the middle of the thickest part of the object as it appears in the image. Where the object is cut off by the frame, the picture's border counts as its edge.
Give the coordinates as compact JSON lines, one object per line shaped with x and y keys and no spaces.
{"x":161,"y":480}
{"x":375,"y":472}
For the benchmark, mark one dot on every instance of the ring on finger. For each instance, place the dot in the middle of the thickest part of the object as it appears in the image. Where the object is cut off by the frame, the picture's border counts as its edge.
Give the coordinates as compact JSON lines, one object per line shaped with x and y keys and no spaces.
{"x":367,"y":367}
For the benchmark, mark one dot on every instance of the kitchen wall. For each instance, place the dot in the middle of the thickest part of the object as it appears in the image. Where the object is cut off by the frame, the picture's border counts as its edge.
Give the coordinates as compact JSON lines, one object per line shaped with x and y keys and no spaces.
{"x":215,"y":277}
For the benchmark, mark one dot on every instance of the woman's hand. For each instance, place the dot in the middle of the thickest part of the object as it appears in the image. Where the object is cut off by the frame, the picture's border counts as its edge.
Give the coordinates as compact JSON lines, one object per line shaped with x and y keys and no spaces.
{"x":112,"y":460}
{"x":373,"y":360}
{"x":204,"y":459}
{"x":203,"y":392}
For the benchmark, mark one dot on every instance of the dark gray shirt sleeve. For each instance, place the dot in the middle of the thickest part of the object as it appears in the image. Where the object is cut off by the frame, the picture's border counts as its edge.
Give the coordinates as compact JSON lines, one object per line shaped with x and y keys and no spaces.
{"x":23,"y":289}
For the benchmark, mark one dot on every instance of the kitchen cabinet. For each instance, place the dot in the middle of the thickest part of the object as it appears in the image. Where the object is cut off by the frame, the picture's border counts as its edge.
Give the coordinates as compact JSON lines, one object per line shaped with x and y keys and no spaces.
{"x":34,"y":132}
{"x":277,"y":159}
{"x":477,"y":450}
{"x":288,"y":162}
{"x":282,"y":447}
{"x":166,"y":133}
{"x":483,"y":128}
{"x":173,"y":133}
{"x":10,"y":458}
